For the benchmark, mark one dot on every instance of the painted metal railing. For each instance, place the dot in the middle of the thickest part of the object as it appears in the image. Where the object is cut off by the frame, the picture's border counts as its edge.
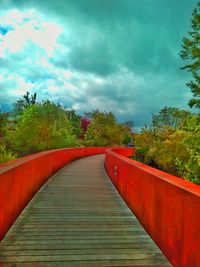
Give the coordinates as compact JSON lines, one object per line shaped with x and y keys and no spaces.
{"x":167,"y":206}
{"x":22,"y":178}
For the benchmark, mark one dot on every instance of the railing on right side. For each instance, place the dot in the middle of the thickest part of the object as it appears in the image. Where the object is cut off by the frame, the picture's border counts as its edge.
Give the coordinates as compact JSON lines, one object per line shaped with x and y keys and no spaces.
{"x":167,"y":206}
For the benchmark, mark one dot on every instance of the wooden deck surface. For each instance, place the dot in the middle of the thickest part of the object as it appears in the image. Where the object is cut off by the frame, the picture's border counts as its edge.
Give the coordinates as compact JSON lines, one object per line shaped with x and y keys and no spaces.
{"x":79,"y":219}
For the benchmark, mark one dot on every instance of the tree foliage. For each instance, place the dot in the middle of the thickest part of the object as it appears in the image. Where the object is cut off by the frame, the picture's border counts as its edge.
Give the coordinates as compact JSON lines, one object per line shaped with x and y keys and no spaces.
{"x":37,"y":126}
{"x":169,"y":116}
{"x":191,"y":53}
{"x":3,"y":123}
{"x":104,"y":130}
{"x":172,"y":143}
{"x":75,"y":121}
{"x":5,"y":154}
{"x":25,"y":101}
{"x":42,"y":126}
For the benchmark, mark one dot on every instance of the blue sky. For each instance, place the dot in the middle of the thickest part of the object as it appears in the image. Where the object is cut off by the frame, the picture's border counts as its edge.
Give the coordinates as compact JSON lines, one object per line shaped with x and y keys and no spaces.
{"x":116,"y":55}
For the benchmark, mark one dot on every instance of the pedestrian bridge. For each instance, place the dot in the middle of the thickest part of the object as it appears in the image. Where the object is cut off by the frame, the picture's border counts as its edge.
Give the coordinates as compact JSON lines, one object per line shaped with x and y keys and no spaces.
{"x":102,"y":209}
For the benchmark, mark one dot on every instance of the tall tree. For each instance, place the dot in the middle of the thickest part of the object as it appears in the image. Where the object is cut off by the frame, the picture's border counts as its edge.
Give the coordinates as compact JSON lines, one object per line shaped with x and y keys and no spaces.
{"x":41,"y":127}
{"x":191,"y":52}
{"x":169,"y":116}
{"x":75,"y":121}
{"x":24,"y":102}
{"x":3,"y":123}
{"x":103,"y":130}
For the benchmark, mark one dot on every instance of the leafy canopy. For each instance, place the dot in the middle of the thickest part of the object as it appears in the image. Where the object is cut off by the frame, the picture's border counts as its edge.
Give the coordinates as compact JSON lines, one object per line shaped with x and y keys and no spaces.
{"x":191,"y":53}
{"x":41,"y":127}
{"x":103,"y":130}
{"x":25,"y":101}
{"x":172,"y":143}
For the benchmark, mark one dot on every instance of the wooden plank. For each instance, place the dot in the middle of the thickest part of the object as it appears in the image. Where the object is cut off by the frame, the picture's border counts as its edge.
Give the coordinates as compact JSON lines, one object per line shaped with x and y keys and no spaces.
{"x":81,"y":251}
{"x":102,"y":263}
{"x":79,"y":219}
{"x":78,"y":257}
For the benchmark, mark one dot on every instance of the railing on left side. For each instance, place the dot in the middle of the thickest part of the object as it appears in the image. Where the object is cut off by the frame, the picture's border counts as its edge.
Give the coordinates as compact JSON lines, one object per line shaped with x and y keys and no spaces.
{"x":20,"y":179}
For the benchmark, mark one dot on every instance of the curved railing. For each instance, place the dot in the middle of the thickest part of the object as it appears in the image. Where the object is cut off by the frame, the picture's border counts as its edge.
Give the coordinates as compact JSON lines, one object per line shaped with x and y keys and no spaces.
{"x":168,"y":207}
{"x":22,"y":178}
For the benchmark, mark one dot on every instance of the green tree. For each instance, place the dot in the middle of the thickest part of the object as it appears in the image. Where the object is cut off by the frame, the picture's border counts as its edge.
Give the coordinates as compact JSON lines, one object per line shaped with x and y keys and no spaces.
{"x":24,"y":102}
{"x":190,"y":168}
{"x":169,"y":116}
{"x":41,"y":126}
{"x":75,"y":121}
{"x":172,"y":143}
{"x":3,"y":123}
{"x":5,"y":155}
{"x":191,"y":52}
{"x":103,"y":130}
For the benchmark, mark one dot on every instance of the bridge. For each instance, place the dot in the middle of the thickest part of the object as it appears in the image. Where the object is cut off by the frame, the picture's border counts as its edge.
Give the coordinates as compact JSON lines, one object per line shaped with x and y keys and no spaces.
{"x":102,"y":209}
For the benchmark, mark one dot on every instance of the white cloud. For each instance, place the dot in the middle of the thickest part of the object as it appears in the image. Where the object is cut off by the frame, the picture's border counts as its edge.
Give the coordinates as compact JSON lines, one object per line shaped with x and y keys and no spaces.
{"x":28,"y":28}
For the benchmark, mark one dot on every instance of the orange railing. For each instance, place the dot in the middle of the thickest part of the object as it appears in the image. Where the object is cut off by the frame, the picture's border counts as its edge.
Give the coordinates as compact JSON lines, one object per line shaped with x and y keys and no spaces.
{"x":22,"y":178}
{"x":167,"y":206}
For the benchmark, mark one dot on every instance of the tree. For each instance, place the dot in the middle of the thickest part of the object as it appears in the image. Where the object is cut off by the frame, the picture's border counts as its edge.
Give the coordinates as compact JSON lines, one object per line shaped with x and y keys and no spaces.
{"x":85,"y":121}
{"x":128,"y":124}
{"x":42,"y":126}
{"x":75,"y":121}
{"x":3,"y":123}
{"x":103,"y":130}
{"x":191,"y":52}
{"x":26,"y":101}
{"x":5,"y":155}
{"x":169,"y":116}
{"x":172,"y":143}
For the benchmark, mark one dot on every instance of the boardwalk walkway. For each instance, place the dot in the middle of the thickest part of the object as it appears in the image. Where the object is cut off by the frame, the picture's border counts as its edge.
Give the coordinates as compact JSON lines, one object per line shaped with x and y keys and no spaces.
{"x":79,"y":219}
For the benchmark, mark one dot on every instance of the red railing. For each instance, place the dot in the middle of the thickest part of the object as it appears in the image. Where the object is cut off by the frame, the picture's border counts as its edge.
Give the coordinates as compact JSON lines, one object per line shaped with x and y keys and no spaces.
{"x":167,"y":206}
{"x":22,"y":178}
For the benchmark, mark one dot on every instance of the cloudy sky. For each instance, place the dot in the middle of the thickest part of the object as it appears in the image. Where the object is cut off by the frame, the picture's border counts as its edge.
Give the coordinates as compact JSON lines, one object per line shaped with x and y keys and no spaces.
{"x":114,"y":55}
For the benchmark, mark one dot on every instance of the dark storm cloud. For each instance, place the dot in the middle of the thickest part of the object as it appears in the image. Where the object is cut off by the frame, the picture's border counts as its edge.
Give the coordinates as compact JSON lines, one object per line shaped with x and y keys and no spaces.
{"x":141,"y":35}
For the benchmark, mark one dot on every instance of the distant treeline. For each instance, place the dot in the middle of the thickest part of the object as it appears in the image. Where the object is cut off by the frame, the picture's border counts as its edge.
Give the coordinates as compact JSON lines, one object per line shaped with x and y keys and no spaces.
{"x":34,"y":126}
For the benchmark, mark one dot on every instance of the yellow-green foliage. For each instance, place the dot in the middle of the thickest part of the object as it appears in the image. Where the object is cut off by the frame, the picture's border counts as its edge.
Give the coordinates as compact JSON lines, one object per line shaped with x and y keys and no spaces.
{"x":5,"y":155}
{"x":174,"y":150}
{"x":190,"y":168}
{"x":41,"y":127}
{"x":103,"y":130}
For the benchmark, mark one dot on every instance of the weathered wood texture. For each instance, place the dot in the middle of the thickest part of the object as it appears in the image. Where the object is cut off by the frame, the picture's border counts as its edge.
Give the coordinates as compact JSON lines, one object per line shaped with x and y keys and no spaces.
{"x":79,"y":219}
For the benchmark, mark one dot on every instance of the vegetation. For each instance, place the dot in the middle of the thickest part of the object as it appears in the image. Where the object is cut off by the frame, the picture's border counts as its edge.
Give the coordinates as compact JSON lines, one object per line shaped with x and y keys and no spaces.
{"x":37,"y":126}
{"x":42,"y":126}
{"x":191,"y":53}
{"x":171,"y":143}
{"x":105,"y":131}
{"x":27,"y":100}
{"x":75,"y":121}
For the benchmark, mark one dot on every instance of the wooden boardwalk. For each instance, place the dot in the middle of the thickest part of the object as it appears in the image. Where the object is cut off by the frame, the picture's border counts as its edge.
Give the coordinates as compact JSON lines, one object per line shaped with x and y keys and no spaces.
{"x":79,"y":219}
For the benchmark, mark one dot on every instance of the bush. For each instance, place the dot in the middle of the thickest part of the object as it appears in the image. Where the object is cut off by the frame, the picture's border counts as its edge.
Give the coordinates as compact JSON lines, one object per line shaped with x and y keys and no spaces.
{"x":42,"y":126}
{"x":5,"y":155}
{"x":103,"y":130}
{"x":173,"y":149}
